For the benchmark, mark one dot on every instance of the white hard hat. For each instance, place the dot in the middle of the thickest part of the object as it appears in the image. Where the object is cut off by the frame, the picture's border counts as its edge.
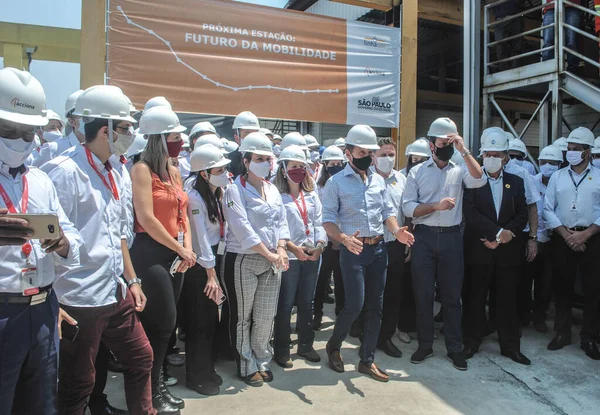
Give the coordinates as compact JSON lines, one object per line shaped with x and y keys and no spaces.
{"x":332,"y":153}
{"x":22,"y":98}
{"x":71,"y":100}
{"x":581,"y":135}
{"x":596,"y":148}
{"x":442,"y":128}
{"x":362,"y":136}
{"x":293,"y":153}
{"x":137,"y":146}
{"x":157,"y":102}
{"x":495,"y":141}
{"x":51,"y":115}
{"x":202,"y":127}
{"x":105,"y":102}
{"x":210,"y":139}
{"x":160,"y":120}
{"x":229,"y":146}
{"x":561,"y":143}
{"x":552,"y":153}
{"x":490,"y":130}
{"x":266,"y":131}
{"x":246,"y":121}
{"x":207,"y":157}
{"x":257,"y":143}
{"x":510,"y":135}
{"x":311,"y":141}
{"x":420,"y":148}
{"x":293,"y":139}
{"x":340,"y":142}
{"x":131,"y":106}
{"x":517,"y":145}
{"x":186,"y":140}
{"x":276,"y":137}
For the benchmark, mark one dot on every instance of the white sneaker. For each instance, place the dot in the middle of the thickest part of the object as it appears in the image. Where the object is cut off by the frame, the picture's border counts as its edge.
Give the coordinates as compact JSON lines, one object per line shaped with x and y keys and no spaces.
{"x":175,"y":360}
{"x":404,"y":337}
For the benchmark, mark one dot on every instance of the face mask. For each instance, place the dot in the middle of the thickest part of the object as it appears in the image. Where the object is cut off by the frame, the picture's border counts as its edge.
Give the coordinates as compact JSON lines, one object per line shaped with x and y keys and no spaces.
{"x":362,"y":164}
{"x":444,"y":153}
{"x":51,"y":136}
{"x":574,"y":157}
{"x":220,"y":180}
{"x":314,"y":156}
{"x":492,"y":164}
{"x":334,"y":169}
{"x":385,"y":164}
{"x":296,"y":175}
{"x":596,"y":163}
{"x":518,"y":162}
{"x":81,"y":128}
{"x":174,"y":148}
{"x":260,"y":169}
{"x":123,"y":143}
{"x":14,"y":152}
{"x":548,"y":169}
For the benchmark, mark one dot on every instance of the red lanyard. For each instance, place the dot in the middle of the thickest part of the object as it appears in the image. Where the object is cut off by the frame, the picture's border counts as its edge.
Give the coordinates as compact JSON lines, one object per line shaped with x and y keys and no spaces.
{"x":303,"y":213}
{"x":179,"y":211}
{"x":112,"y":186}
{"x":26,"y":247}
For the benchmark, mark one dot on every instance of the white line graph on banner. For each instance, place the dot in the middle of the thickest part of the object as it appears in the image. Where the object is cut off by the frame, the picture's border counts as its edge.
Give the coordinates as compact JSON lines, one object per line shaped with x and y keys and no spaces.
{"x":219,"y":84}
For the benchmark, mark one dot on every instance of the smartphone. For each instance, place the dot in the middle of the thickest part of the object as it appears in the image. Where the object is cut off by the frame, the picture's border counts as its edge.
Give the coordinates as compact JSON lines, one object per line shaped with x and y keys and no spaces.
{"x":220,"y":297}
{"x":44,"y":225}
{"x":69,"y":332}
{"x":175,"y":266}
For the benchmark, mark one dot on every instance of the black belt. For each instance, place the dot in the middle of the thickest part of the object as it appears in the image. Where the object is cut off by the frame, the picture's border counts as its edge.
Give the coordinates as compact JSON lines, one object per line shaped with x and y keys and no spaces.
{"x":18,"y":298}
{"x":438,"y":229}
{"x":579,"y":228}
{"x":371,"y":240}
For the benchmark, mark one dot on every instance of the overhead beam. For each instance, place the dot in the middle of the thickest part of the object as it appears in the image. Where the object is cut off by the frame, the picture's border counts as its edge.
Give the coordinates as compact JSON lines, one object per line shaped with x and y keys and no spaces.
{"x":408,"y":76}
{"x":33,"y":35}
{"x":383,"y":5}
{"x":93,"y":42}
{"x":13,"y":55}
{"x":445,"y":11}
{"x":425,"y":97}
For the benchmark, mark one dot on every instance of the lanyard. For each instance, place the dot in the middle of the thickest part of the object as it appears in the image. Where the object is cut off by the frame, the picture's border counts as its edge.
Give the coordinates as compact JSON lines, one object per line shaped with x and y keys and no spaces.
{"x":303,"y":211}
{"x":26,"y":248}
{"x":112,"y":186}
{"x":580,"y":181}
{"x":179,"y":210}
{"x":221,"y":219}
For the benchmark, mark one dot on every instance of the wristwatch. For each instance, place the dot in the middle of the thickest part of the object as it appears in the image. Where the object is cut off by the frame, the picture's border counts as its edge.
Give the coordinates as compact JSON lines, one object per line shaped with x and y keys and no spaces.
{"x":533,"y":237}
{"x":466,"y":153}
{"x":498,"y":240}
{"x":134,"y":281}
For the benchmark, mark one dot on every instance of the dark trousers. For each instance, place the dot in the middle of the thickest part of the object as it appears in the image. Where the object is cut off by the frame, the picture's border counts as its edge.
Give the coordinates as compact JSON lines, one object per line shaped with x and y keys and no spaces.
{"x":330,"y":263}
{"x":118,"y":327}
{"x":512,"y":47}
{"x":392,"y":295}
{"x":152,"y":262}
{"x":407,"y":312}
{"x":572,"y":17}
{"x":476,"y":286}
{"x":201,"y":318}
{"x":98,"y":397}
{"x":28,"y":357}
{"x":438,"y":257}
{"x":297,"y":285}
{"x":364,"y":284}
{"x":565,"y":264}
{"x":229,"y":311}
{"x":539,"y":273}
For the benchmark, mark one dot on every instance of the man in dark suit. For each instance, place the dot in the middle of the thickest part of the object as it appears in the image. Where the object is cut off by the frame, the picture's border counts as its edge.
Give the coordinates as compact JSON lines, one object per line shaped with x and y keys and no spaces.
{"x":496,"y":215}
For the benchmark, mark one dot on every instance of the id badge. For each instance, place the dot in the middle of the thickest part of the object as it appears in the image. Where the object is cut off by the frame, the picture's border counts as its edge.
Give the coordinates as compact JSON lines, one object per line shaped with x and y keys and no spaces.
{"x":574,"y":206}
{"x":180,"y":238}
{"x":221,"y":248}
{"x":29,"y":281}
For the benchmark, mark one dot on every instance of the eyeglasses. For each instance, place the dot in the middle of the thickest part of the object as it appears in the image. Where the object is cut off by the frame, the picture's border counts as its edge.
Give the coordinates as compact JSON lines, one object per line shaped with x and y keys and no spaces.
{"x":517,"y":157}
{"x":125,"y":130}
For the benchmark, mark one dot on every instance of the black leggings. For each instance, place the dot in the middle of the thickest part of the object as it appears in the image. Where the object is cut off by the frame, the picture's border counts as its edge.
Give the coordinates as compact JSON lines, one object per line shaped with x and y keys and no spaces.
{"x":152,"y":262}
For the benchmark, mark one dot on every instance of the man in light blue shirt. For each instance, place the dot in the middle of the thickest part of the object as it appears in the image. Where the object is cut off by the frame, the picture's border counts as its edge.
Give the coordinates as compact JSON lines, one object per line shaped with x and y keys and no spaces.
{"x":358,"y":200}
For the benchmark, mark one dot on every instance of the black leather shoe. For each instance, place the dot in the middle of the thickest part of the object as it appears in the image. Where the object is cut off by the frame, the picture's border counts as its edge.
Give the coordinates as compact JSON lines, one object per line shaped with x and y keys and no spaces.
{"x":317,"y":321}
{"x":266,"y":375}
{"x":311,"y":356}
{"x":162,"y":406}
{"x":216,"y":379}
{"x":420,"y":356}
{"x":591,"y":349}
{"x":390,"y":348}
{"x":469,"y":352}
{"x":558,"y":342}
{"x":335,"y":359}
{"x":458,"y":360}
{"x":328,"y":300}
{"x":284,"y":362}
{"x":102,"y":407}
{"x":173,"y":400}
{"x":516,"y":357}
{"x":207,"y":388}
{"x":540,"y":327}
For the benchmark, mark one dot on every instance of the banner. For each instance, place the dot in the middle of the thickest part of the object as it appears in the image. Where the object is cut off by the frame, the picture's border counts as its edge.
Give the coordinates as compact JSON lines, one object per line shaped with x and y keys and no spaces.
{"x":224,"y":57}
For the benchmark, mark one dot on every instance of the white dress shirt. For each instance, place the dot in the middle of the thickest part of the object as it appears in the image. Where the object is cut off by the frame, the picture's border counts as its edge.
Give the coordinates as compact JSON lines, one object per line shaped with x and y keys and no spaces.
{"x":296,"y":223}
{"x":427,"y":183}
{"x":395,"y":183}
{"x":543,"y":231}
{"x":531,"y":194}
{"x":42,"y":199}
{"x":205,"y":234}
{"x":102,"y":222}
{"x":496,"y":185}
{"x":126,"y":197}
{"x":404,"y":172}
{"x":252,"y":219}
{"x":564,"y":205}
{"x":54,"y":149}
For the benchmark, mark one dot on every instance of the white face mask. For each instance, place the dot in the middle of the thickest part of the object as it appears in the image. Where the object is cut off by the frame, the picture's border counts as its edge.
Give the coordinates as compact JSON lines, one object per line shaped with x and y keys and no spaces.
{"x":574,"y":157}
{"x":51,"y":136}
{"x":14,"y":152}
{"x":385,"y":164}
{"x":314,"y":156}
{"x":596,"y":163}
{"x":518,"y":162}
{"x":123,"y":142}
{"x":260,"y":169}
{"x":220,"y":180}
{"x":548,"y":169}
{"x":492,"y":164}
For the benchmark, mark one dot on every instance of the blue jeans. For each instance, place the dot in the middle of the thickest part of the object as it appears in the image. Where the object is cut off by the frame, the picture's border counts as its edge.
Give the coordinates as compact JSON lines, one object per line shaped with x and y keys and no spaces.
{"x":364,"y":284}
{"x":298,"y":284}
{"x":573,"y":18}
{"x":29,"y":357}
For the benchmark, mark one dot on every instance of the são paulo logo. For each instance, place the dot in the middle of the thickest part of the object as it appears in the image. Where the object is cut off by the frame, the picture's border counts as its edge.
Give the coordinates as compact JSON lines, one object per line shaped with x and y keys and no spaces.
{"x":374,"y":104}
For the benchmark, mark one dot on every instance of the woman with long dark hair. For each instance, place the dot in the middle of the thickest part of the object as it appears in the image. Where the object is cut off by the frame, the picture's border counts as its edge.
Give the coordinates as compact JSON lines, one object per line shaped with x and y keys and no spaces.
{"x":162,"y":236}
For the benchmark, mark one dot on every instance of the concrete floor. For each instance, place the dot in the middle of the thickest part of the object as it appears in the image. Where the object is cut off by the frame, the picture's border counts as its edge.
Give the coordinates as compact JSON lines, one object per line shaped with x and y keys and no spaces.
{"x":560,"y":382}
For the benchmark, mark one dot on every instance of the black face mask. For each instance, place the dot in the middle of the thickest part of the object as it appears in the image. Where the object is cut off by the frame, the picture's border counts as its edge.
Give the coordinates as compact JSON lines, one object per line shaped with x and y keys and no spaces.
{"x":334,"y":169}
{"x":362,"y":164}
{"x":444,"y":153}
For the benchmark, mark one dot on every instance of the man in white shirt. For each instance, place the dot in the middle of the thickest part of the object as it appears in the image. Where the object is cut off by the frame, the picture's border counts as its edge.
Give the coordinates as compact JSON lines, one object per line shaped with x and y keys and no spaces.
{"x":91,"y":190}
{"x":572,"y":210}
{"x":433,"y":197}
{"x":28,"y":267}
{"x":518,"y":153}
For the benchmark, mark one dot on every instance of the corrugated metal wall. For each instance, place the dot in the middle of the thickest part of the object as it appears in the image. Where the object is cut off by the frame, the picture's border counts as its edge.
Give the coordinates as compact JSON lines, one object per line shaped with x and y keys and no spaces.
{"x":339,"y":10}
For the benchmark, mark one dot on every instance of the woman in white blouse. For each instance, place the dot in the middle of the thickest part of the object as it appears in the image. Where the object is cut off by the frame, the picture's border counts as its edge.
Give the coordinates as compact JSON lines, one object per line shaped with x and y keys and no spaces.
{"x":255,"y":258}
{"x":306,"y":244}
{"x":201,"y":290}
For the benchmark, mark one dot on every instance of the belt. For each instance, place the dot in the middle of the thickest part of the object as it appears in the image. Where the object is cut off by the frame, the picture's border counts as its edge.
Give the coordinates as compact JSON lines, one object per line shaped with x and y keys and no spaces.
{"x":579,"y":228}
{"x":371,"y":240}
{"x":18,"y":298}
{"x":438,"y":229}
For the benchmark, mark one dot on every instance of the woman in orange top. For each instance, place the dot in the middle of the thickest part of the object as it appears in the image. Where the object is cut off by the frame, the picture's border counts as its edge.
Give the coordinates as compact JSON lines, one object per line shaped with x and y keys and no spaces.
{"x":162,"y":236}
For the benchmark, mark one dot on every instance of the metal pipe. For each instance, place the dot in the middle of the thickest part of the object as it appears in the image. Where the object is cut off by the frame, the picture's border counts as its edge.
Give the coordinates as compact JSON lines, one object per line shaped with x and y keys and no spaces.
{"x":537,"y":29}
{"x":522,"y":55}
{"x":582,"y":57}
{"x":503,"y":116}
{"x":107,"y":28}
{"x":523,"y":13}
{"x":583,"y":9}
{"x":486,"y":40}
{"x":582,"y":32}
{"x":595,"y":125}
{"x":535,"y":113}
{"x":564,"y":120}
{"x":559,"y":35}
